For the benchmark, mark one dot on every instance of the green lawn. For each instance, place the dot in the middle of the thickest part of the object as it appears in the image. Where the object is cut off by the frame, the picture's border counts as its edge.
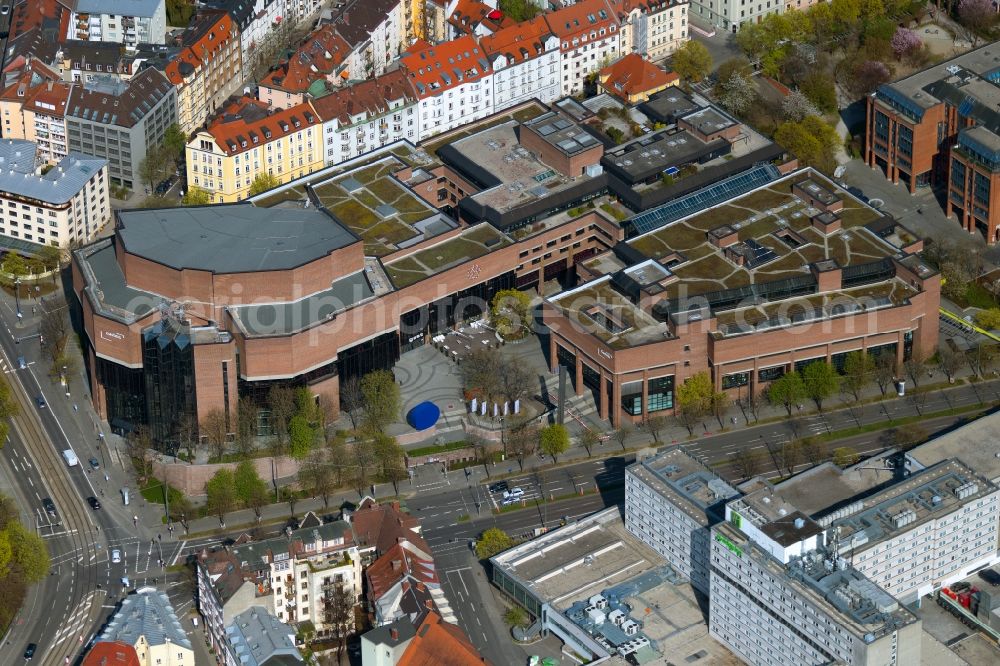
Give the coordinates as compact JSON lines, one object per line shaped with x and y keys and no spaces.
{"x":355,"y":215}
{"x":449,"y":252}
{"x":764,"y":199}
{"x":389,"y":232}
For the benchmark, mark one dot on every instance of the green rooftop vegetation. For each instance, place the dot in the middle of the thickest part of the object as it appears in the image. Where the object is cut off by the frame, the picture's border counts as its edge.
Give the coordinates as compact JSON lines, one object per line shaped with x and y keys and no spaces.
{"x":472,"y":244}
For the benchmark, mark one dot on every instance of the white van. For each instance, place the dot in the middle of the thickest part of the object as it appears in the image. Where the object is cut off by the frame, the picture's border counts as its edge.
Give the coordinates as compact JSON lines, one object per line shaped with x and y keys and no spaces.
{"x":70,"y":457}
{"x":125,"y":496}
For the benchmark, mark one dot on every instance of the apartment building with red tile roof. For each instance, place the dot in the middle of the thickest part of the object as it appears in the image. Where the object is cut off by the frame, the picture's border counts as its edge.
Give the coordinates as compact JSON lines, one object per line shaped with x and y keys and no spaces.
{"x":653,"y":28}
{"x":633,"y":79}
{"x":439,"y":643}
{"x":403,"y":582}
{"x":473,"y":17}
{"x":367,"y":115}
{"x":588,"y":37}
{"x":111,"y":653}
{"x":525,"y":60}
{"x":378,"y":527}
{"x":317,"y":65}
{"x":33,"y":106}
{"x":208,"y":70}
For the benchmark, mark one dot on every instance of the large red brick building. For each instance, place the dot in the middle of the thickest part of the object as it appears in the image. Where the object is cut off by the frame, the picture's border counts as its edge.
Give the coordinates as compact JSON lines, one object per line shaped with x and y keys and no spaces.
{"x":940,"y":127}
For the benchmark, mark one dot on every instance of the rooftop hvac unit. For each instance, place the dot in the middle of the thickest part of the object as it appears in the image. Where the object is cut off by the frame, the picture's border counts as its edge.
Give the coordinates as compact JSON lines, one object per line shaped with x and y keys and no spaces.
{"x":904,"y":518}
{"x":966,"y":490}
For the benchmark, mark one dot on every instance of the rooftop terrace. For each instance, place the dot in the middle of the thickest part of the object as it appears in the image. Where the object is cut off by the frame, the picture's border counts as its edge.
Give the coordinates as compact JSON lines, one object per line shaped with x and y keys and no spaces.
{"x":472,"y":243}
{"x":601,"y":310}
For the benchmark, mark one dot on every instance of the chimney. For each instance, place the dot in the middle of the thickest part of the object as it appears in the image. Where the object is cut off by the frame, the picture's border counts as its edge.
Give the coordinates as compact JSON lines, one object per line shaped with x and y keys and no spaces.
{"x":394,"y":634}
{"x":397,"y":565}
{"x":421,"y":587}
{"x":429,"y":604}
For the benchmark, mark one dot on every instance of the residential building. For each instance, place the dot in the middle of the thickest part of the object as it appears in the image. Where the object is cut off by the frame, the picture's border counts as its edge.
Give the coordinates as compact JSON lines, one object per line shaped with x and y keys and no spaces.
{"x":524,"y":58}
{"x":66,"y":206}
{"x":367,"y":115}
{"x":35,"y":30}
{"x":385,"y":645}
{"x":779,"y":596}
{"x":257,"y":638}
{"x":634,"y":79}
{"x":930,"y":527}
{"x":312,"y":71}
{"x":403,"y":582}
{"x":453,"y":83}
{"x":938,"y":128}
{"x":245,"y":140}
{"x":433,"y":26}
{"x":120,"y":121}
{"x":128,"y":22}
{"x":377,"y":527}
{"x":252,"y":23}
{"x":79,"y":61}
{"x":207,"y":70}
{"x":671,"y":503}
{"x":301,"y":570}
{"x":475,"y":18}
{"x":111,"y":653}
{"x":34,"y":109}
{"x":146,"y":621}
{"x":653,"y":28}
{"x":729,"y":15}
{"x":225,"y":591}
{"x":588,"y":39}
{"x":375,"y":31}
{"x":439,"y":642}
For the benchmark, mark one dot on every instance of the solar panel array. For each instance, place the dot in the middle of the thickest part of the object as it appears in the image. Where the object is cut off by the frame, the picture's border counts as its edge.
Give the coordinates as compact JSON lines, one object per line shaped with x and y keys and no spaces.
{"x":704,"y":198}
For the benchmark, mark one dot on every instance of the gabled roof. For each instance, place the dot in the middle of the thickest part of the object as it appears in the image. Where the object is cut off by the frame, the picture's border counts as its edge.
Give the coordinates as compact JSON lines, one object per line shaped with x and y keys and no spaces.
{"x":112,"y":102}
{"x":358,"y":19}
{"x":519,"y":42}
{"x":470,"y":14}
{"x":381,"y":526}
{"x":146,"y":613}
{"x":404,"y":560}
{"x":235,"y":134}
{"x":582,"y":18}
{"x":316,"y":58}
{"x":203,"y":39}
{"x":258,"y":638}
{"x":438,"y":643}
{"x":434,"y":69}
{"x":369,"y":97}
{"x":633,"y":75}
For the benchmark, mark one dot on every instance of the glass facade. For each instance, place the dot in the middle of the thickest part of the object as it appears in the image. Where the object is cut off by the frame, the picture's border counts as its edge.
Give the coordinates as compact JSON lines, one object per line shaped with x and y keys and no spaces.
{"x":661,"y":394}
{"x":770,"y":374}
{"x":168,"y":371}
{"x":124,"y":395}
{"x":463,"y":305}
{"x":632,"y":398}
{"x":379,"y":353}
{"x":735,"y":379}
{"x":592,"y":380}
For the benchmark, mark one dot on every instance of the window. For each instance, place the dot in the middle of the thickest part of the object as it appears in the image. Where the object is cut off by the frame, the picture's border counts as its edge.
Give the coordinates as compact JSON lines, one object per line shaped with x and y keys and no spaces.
{"x":735,"y":379}
{"x":661,"y":394}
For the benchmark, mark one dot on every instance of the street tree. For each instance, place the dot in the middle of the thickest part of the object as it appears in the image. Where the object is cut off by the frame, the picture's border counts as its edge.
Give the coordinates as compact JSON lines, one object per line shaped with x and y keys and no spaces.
{"x":915,"y":369}
{"x":554,"y":440}
{"x":316,"y":476}
{"x":885,"y":371}
{"x":181,"y":509}
{"x":300,"y":437}
{"x":719,"y":403}
{"x":221,"y":494}
{"x":905,"y":437}
{"x":352,"y":400}
{"x":949,"y":361}
{"x":263,"y":182}
{"x":858,"y":369}
{"x":791,"y":455}
{"x":622,"y":433}
{"x":522,"y":440}
{"x":54,"y":326}
{"x":821,"y":382}
{"x":492,"y":541}
{"x":214,"y":429}
{"x":153,"y":167}
{"x":363,"y":461}
{"x":655,"y":424}
{"x":391,"y":459}
{"x":196,"y":196}
{"x":747,"y":462}
{"x":281,"y":403}
{"x":249,"y":488}
{"x":246,"y":426}
{"x":692,"y":62}
{"x":482,"y":450}
{"x":589,"y":439}
{"x":139,"y":445}
{"x":174,"y":142}
{"x":382,"y":400}
{"x":696,"y":393}
{"x":787,"y":391}
{"x":845,"y":456}
{"x":814,"y":450}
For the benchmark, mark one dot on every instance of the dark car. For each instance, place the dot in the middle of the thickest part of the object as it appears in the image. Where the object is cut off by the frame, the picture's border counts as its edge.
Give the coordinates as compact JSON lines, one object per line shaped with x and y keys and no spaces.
{"x":94,"y":503}
{"x":50,"y":506}
{"x":40,"y":401}
{"x":29,"y":651}
{"x":990,"y":576}
{"x":95,"y":463}
{"x":498,"y":487}
{"x":856,"y":191}
{"x":164,"y":187}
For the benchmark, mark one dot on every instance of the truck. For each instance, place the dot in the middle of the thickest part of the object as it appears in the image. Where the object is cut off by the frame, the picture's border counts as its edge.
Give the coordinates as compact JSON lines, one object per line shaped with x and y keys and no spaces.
{"x":70,"y":457}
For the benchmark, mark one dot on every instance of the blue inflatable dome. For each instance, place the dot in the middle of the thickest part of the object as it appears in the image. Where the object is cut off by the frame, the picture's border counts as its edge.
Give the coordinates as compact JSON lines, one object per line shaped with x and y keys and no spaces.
{"x":423,"y":416}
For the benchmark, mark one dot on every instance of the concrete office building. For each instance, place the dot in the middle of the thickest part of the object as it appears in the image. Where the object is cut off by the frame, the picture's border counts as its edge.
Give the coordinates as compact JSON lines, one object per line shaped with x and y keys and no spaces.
{"x":671,"y":502}
{"x":67,"y":205}
{"x":127,"y":22}
{"x":927,"y":528}
{"x":120,"y":121}
{"x":779,"y":596}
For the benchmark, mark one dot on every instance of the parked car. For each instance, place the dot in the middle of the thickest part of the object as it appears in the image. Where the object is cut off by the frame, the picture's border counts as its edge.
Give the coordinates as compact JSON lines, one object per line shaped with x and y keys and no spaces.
{"x":116,"y":556}
{"x":94,"y":503}
{"x":50,"y":506}
{"x":513,"y":493}
{"x":95,"y":463}
{"x":29,"y":651}
{"x":498,"y":487}
{"x":6,"y":10}
{"x":165,"y":186}
{"x":990,"y":576}
{"x":40,"y":401}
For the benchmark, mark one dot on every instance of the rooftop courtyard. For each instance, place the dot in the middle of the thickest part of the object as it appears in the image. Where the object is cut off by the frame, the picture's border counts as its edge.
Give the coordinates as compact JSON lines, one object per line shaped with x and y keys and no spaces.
{"x":473,"y":243}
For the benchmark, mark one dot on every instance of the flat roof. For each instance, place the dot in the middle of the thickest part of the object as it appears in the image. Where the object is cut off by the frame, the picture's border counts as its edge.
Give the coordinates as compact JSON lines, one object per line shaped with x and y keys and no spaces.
{"x":231,"y":238}
{"x":708,"y":120}
{"x":562,"y":133}
{"x":659,"y":151}
{"x":924,"y":495}
{"x":977,"y":444}
{"x":819,"y":488}
{"x":106,"y":284}
{"x":668,"y":105}
{"x":772,"y":514}
{"x":472,"y":243}
{"x":266,"y":319}
{"x":579,"y":560}
{"x":687,"y":483}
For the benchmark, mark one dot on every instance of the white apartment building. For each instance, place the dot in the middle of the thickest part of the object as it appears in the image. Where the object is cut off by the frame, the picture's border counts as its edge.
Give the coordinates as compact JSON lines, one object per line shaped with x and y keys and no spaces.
{"x":453,"y":83}
{"x":589,"y":39}
{"x":525,"y":62}
{"x":366,"y":116}
{"x":933,"y":528}
{"x":729,"y":15}
{"x":127,"y":22}
{"x":376,"y":32}
{"x":671,"y":502}
{"x":779,"y":596}
{"x":68,"y":204}
{"x":654,"y":28}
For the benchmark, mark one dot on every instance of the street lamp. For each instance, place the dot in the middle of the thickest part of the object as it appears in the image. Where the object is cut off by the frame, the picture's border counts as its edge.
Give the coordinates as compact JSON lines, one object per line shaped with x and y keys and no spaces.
{"x":17,"y":295}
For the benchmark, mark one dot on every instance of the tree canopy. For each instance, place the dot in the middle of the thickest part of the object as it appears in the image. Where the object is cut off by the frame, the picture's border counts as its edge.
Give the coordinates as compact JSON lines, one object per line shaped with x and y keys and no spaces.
{"x":491,"y":542}
{"x":263,"y":182}
{"x":554,"y":440}
{"x":511,"y":313}
{"x":692,"y":61}
{"x":195,"y":196}
{"x":821,"y":381}
{"x":787,"y":391}
{"x":382,"y":400}
{"x":812,"y":140}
